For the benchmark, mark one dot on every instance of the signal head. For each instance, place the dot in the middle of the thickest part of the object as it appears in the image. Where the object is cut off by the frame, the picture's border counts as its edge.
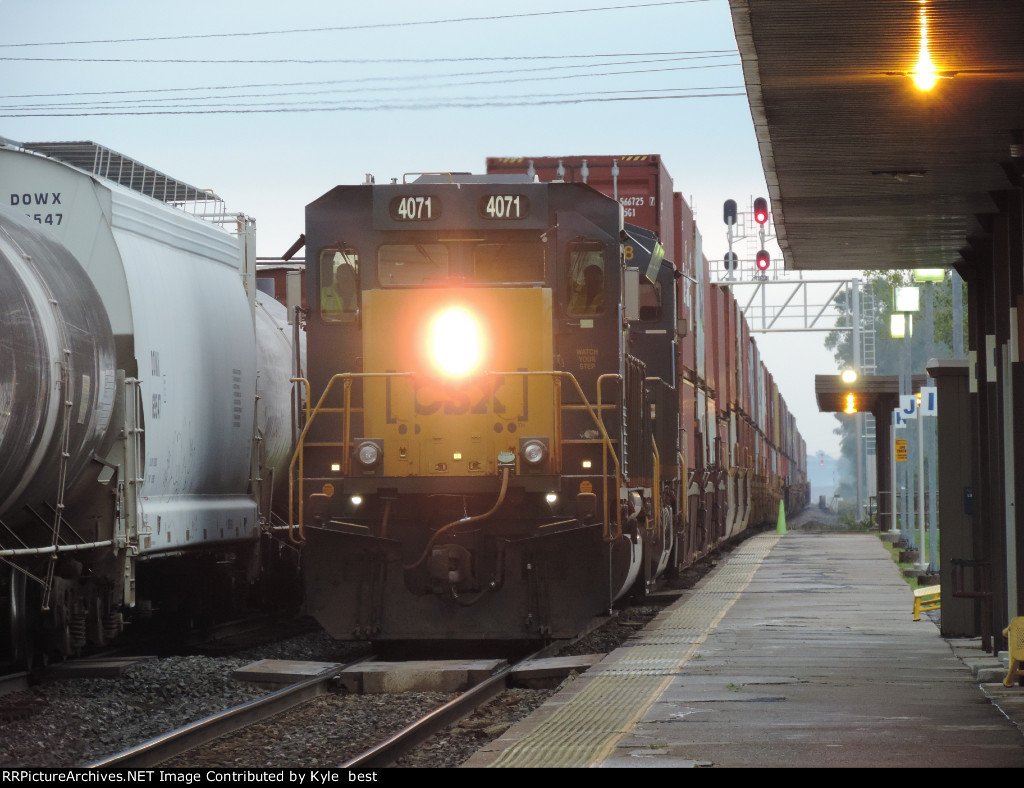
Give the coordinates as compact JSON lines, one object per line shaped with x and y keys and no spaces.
{"x":729,"y":212}
{"x":763,"y":261}
{"x":760,"y":210}
{"x":732,"y":261}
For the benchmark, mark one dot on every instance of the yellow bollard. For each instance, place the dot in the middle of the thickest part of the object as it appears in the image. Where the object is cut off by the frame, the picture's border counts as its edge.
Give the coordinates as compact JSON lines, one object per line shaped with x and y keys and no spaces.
{"x":781,"y":527}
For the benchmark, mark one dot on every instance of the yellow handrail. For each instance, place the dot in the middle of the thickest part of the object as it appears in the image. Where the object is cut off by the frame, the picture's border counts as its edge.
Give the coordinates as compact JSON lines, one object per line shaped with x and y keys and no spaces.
{"x":348,"y":378}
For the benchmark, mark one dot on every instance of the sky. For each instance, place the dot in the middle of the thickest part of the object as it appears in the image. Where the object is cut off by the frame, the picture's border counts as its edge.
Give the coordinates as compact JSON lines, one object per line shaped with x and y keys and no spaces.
{"x":292,"y":99}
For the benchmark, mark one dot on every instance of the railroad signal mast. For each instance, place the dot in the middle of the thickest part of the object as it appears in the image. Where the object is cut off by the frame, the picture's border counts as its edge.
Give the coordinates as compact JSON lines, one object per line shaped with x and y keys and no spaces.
{"x":731,"y":260}
{"x":762,"y":260}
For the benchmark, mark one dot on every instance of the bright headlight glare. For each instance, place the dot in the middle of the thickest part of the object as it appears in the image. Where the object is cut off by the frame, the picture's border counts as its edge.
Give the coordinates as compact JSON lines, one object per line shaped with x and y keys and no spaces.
{"x":456,"y":344}
{"x":551,"y":497}
{"x":356,"y":500}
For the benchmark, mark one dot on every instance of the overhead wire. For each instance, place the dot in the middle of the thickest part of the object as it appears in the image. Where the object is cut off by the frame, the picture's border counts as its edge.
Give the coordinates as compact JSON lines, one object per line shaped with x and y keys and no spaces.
{"x":404,"y":83}
{"x":373,"y":26}
{"x":249,"y":110}
{"x":193,"y":104}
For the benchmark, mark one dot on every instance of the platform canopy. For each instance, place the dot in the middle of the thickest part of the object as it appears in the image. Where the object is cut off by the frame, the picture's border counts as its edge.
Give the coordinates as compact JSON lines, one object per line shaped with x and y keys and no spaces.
{"x":865,"y":170}
{"x":877,"y":394}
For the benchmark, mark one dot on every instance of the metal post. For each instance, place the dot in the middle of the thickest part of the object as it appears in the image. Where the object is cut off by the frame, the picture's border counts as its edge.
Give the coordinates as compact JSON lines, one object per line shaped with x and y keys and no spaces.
{"x":858,"y":420}
{"x":932,"y":440}
{"x":921,"y":563}
{"x":892,"y":477}
{"x":906,"y":528}
{"x":958,"y":315}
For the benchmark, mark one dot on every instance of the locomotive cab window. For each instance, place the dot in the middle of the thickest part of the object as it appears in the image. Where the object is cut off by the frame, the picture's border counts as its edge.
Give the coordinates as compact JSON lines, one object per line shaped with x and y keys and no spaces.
{"x":508,"y":262}
{"x":650,"y":301}
{"x":408,"y":265}
{"x":339,"y":285}
{"x":586,"y":283}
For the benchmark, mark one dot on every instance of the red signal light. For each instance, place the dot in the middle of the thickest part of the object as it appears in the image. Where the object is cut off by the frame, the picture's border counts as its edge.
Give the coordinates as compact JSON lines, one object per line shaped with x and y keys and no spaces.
{"x":760,"y":210}
{"x":763,"y":260}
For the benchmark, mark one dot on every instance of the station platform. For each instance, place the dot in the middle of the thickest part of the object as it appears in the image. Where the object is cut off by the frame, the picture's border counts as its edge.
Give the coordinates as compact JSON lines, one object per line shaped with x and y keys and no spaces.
{"x":797,"y":650}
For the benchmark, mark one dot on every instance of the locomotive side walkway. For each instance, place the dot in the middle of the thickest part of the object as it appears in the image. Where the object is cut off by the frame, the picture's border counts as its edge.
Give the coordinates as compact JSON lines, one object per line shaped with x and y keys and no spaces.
{"x":796,"y":651}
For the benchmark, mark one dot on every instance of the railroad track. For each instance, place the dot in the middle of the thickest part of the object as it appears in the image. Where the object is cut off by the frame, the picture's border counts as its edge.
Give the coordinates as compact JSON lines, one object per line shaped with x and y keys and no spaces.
{"x":162,"y":748}
{"x":195,"y":736}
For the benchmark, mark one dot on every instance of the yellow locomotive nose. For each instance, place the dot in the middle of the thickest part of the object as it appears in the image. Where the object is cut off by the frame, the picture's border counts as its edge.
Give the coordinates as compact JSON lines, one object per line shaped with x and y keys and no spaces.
{"x":456,"y":342}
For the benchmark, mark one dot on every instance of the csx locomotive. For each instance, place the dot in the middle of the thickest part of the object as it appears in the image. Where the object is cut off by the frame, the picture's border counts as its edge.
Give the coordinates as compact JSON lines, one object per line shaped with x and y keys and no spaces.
{"x":492,"y":447}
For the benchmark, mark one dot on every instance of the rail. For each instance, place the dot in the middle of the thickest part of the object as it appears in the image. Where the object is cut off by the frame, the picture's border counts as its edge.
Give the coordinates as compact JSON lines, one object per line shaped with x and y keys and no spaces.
{"x":296,"y":498}
{"x":168,"y":745}
{"x":388,"y":752}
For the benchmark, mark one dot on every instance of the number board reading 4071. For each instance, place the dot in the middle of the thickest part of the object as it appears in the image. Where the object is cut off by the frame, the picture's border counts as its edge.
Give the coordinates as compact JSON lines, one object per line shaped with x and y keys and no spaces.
{"x":420,"y":208}
{"x":505,"y":206}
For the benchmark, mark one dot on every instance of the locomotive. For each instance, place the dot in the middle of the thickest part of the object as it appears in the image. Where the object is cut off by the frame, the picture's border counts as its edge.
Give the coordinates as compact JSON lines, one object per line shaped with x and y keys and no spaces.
{"x":144,"y":400}
{"x":502,"y":436}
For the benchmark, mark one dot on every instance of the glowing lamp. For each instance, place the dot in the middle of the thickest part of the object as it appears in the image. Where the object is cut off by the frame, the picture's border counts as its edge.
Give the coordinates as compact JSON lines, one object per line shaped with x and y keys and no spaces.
{"x":760,"y":210}
{"x":924,"y":74}
{"x":851,"y":404}
{"x":763,"y":260}
{"x":907,"y":299}
{"x":849,"y":375}
{"x":455,"y":341}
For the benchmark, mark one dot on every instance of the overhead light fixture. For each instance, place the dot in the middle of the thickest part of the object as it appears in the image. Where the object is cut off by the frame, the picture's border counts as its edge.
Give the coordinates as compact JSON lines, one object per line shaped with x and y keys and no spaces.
{"x":849,"y":376}
{"x":907,"y":299}
{"x":924,"y":74}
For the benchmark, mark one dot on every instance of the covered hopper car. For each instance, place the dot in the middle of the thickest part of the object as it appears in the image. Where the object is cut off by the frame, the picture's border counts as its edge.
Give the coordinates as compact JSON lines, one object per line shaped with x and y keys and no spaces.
{"x":144,"y":400}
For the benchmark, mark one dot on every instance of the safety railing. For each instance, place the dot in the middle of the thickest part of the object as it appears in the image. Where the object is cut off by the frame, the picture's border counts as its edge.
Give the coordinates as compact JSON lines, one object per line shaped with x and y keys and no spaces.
{"x":296,"y":497}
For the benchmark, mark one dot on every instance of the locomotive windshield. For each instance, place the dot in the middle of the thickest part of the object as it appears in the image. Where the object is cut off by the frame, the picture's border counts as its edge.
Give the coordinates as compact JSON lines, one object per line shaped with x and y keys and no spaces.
{"x":405,"y":265}
{"x":508,"y":262}
{"x":412,"y":265}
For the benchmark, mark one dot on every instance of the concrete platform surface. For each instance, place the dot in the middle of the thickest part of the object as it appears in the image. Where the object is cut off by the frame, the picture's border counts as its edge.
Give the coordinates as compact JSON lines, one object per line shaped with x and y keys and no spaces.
{"x":798,"y":650}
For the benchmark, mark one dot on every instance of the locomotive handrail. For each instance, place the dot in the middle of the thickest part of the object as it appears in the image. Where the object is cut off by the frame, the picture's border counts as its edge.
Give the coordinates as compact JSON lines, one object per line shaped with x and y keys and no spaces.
{"x":291,"y":467}
{"x":608,"y":536}
{"x":405,"y":176}
{"x":656,"y":491}
{"x":349,"y":377}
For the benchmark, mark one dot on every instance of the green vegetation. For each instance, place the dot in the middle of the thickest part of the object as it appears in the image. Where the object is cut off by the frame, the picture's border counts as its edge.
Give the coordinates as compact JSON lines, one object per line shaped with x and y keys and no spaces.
{"x":913,"y":582}
{"x":847,"y":517}
{"x":877,"y":290}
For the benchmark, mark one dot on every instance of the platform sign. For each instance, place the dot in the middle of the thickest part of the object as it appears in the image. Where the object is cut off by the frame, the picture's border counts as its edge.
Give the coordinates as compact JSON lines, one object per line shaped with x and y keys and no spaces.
{"x":898,"y":423}
{"x":901,"y":450}
{"x":929,"y":401}
{"x":908,"y":406}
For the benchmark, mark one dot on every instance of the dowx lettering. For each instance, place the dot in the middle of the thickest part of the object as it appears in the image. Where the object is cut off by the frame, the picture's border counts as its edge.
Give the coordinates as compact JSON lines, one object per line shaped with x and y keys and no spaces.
{"x":38,"y":198}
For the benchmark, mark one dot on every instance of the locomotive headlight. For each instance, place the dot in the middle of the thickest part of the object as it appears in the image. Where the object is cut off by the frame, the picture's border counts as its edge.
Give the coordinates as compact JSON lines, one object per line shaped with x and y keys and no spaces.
{"x":455,"y":342}
{"x":368,"y":454}
{"x":551,"y":498}
{"x":534,"y":451}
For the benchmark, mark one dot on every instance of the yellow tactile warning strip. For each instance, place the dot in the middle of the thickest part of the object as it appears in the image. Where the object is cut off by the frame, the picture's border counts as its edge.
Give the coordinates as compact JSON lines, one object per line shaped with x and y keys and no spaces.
{"x":623,"y":686}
